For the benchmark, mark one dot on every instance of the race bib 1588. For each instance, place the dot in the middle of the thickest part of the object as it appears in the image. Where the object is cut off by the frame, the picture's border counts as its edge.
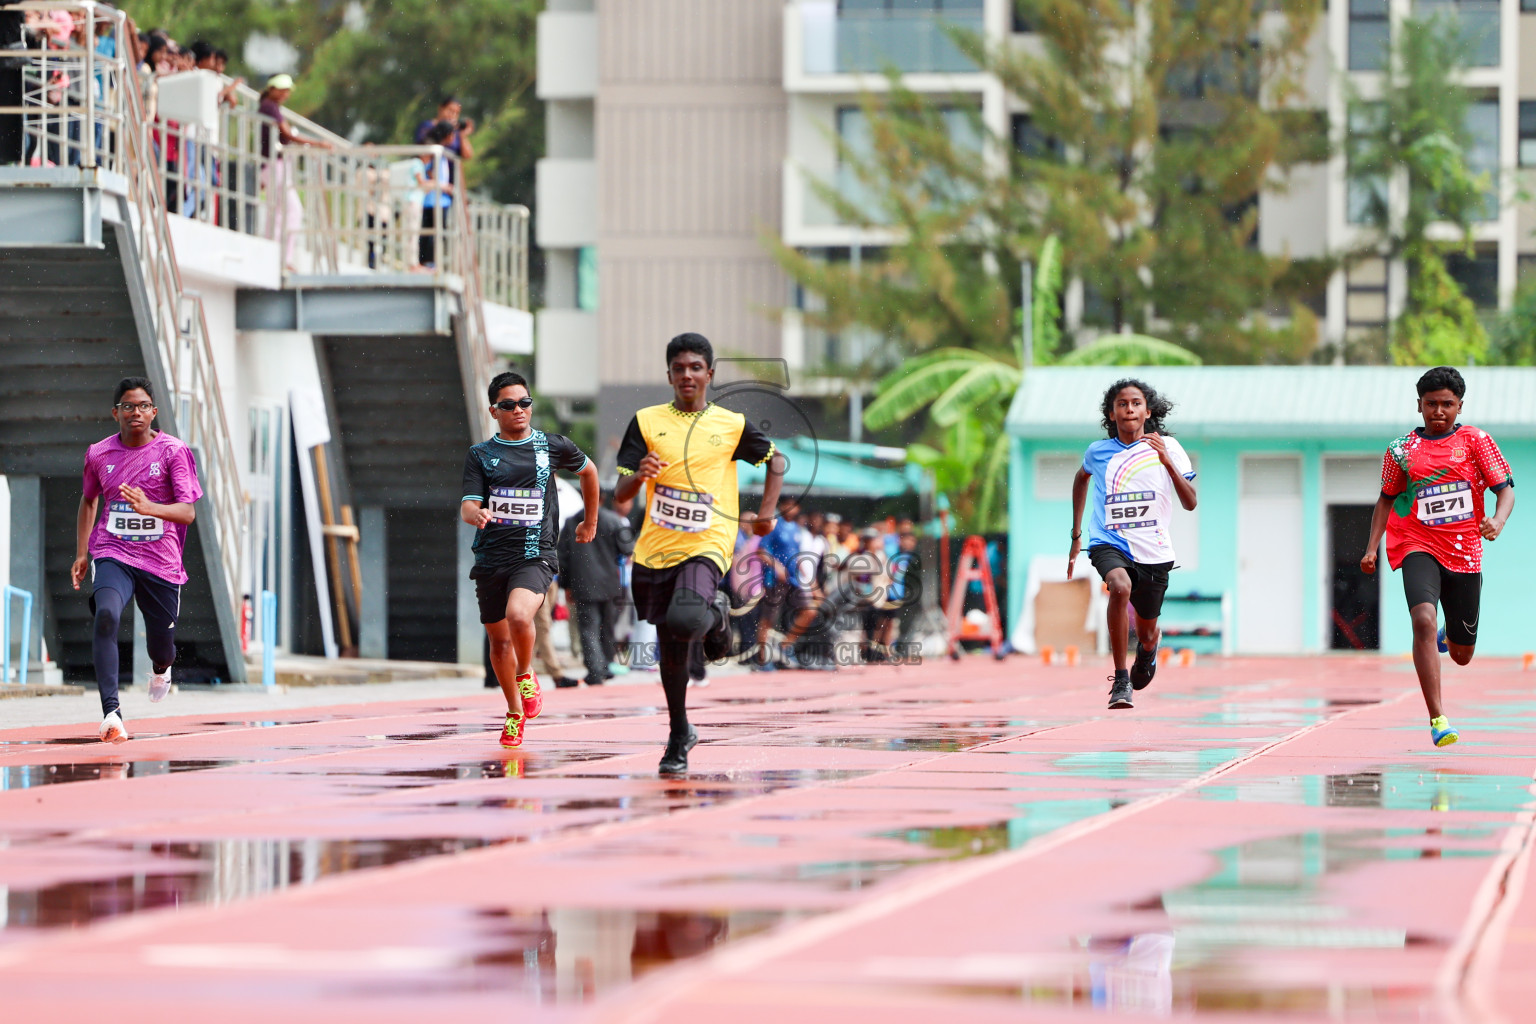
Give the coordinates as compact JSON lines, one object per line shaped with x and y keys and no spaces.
{"x":1130,"y":510}
{"x":686,"y":511}
{"x":1444,"y":503}
{"x":126,"y":524}
{"x":517,"y":506}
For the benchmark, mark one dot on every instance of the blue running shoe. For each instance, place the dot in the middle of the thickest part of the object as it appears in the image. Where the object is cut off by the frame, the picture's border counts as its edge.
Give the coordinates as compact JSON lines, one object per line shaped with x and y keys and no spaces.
{"x":1440,"y":644}
{"x":1441,"y":732}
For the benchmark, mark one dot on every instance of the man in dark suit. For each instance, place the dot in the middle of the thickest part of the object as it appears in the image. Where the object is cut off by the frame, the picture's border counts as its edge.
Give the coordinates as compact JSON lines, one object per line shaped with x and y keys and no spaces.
{"x":590,"y":575}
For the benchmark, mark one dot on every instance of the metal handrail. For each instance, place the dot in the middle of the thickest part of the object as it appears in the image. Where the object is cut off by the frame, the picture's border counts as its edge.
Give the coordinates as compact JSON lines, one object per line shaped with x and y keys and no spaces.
{"x":7,"y":594}
{"x":110,"y":132}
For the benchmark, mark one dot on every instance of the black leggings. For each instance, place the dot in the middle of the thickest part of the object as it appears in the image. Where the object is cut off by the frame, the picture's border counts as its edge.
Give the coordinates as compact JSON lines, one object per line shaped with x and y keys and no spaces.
{"x":689,"y":616}
{"x":113,"y":586}
{"x":1426,"y":581}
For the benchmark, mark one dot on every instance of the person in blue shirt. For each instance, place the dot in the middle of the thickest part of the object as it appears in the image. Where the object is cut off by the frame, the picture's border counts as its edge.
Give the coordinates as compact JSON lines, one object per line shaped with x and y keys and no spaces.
{"x":1135,"y":474}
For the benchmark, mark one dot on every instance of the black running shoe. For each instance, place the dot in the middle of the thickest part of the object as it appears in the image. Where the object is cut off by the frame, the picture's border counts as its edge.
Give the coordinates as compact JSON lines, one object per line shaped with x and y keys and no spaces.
{"x":1144,"y":667}
{"x":717,"y":642}
{"x":675,"y":760}
{"x":1120,"y":691}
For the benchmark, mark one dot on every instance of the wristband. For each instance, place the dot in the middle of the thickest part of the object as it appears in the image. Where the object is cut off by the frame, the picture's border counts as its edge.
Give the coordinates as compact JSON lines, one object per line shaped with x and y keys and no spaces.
{"x":1078,"y":535}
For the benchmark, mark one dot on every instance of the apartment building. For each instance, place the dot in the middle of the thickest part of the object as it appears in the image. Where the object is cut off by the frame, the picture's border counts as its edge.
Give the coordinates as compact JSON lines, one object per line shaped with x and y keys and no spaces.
{"x":681,"y":131}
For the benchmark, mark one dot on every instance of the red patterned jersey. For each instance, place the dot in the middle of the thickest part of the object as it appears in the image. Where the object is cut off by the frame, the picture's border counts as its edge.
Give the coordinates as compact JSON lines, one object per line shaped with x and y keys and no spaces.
{"x":1438,"y":483}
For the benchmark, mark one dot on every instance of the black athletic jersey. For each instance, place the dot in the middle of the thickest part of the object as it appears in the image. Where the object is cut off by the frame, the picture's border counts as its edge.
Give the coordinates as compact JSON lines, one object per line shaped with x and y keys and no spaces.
{"x":512,"y":479}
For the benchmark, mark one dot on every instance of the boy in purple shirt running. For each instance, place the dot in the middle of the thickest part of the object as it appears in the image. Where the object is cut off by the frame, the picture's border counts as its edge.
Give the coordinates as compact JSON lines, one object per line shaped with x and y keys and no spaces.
{"x":133,"y":549}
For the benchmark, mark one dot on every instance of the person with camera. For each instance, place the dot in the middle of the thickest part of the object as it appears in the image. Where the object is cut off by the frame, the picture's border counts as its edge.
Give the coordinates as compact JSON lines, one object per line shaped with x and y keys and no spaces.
{"x":450,"y":112}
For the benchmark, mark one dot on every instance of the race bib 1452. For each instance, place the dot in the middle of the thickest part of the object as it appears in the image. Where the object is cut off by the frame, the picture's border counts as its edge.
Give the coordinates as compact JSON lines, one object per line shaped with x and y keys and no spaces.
{"x":126,"y":524}
{"x":685,"y":511}
{"x":517,"y":506}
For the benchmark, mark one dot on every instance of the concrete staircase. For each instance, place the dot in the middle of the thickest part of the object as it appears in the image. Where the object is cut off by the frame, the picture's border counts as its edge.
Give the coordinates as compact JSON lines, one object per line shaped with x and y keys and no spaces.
{"x":398,"y":408}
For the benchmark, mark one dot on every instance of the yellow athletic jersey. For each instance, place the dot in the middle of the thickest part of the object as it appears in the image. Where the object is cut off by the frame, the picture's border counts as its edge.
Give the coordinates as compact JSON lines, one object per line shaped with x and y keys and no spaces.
{"x":692,"y":507}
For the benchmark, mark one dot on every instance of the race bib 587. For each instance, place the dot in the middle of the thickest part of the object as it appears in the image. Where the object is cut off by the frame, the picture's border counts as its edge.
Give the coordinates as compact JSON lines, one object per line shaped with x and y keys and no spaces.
{"x":123,"y":522}
{"x":517,"y":506}
{"x":685,"y":511}
{"x":1129,"y":510}
{"x":1444,"y":503}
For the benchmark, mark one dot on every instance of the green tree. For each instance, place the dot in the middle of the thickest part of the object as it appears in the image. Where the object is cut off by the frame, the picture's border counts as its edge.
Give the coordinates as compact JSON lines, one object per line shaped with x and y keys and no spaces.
{"x":1416,"y":133}
{"x":967,"y":393}
{"x":1146,"y":148}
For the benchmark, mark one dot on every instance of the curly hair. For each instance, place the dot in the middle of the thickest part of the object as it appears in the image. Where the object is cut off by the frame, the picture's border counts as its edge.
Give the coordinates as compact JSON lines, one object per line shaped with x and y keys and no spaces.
{"x":1158,"y":407}
{"x":1446,"y":378}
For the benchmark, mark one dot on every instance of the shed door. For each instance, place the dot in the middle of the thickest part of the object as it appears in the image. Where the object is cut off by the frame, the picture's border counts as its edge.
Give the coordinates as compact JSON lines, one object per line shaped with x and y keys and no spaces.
{"x":1269,"y":555}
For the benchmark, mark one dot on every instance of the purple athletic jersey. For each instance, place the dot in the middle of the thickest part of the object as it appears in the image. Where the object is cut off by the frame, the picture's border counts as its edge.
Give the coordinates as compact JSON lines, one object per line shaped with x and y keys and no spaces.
{"x":166,"y":472}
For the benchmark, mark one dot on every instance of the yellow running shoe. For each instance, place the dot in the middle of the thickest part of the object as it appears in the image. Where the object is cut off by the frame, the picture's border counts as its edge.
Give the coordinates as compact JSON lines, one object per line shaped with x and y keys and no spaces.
{"x":533,"y":700}
{"x":1441,"y":732}
{"x":512,"y":732}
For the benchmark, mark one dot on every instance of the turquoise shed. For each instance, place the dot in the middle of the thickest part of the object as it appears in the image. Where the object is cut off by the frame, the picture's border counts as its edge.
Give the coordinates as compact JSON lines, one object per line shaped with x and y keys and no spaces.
{"x":1289,"y":462}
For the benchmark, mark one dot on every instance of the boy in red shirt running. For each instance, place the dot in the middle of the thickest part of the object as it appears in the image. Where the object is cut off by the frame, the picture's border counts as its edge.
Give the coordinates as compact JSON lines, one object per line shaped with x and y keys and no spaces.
{"x":1431,"y":510}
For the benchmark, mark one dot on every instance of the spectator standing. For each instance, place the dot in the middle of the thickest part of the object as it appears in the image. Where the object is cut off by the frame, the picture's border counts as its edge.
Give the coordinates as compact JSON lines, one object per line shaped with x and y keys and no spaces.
{"x":450,"y":112}
{"x":436,"y":183}
{"x":590,"y":573}
{"x":277,"y":172}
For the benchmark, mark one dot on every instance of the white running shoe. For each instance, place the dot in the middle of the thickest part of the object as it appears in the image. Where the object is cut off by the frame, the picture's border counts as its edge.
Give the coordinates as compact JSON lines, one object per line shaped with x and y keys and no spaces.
{"x":159,"y":684}
{"x":113,"y":730}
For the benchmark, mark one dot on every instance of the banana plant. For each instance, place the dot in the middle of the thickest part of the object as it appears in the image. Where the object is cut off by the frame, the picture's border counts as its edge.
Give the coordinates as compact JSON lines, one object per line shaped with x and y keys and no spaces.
{"x":967,"y":393}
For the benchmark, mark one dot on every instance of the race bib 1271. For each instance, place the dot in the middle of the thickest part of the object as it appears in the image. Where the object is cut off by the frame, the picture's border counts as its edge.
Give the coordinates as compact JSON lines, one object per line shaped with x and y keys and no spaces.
{"x":126,"y":524}
{"x":1130,"y":510}
{"x":685,"y":511}
{"x":517,"y":506}
{"x":1444,"y":503}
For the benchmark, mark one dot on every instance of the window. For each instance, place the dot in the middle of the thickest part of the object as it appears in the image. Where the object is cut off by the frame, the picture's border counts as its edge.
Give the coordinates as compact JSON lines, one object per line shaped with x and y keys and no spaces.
{"x":1054,"y":474}
{"x":911,"y":35}
{"x":1483,"y":156}
{"x":1365,"y":294}
{"x":1528,"y":6}
{"x":1021,"y":22}
{"x":1528,"y":131}
{"x":1370,"y":33}
{"x":1032,"y":142}
{"x":1479,"y":24}
{"x":1365,"y":196}
{"x":1478,"y":275}
{"x":853,"y":129}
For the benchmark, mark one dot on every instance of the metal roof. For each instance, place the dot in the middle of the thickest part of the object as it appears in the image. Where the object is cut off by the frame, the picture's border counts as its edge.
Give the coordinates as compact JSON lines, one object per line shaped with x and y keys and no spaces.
{"x":1254,"y":401}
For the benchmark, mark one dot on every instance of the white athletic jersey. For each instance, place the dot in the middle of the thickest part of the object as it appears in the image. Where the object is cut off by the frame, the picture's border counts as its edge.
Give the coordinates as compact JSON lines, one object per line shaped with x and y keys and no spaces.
{"x":1131,"y":503}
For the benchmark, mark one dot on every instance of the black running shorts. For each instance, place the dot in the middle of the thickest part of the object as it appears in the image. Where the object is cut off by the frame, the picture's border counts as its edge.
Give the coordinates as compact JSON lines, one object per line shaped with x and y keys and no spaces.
{"x":652,"y":589}
{"x":1426,"y":581}
{"x":1148,"y":582}
{"x":493,"y":586}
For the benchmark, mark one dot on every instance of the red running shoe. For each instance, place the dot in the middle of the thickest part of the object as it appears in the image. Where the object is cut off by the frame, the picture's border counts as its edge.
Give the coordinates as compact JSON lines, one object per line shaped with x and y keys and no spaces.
{"x":512,"y":732}
{"x":533,"y":700}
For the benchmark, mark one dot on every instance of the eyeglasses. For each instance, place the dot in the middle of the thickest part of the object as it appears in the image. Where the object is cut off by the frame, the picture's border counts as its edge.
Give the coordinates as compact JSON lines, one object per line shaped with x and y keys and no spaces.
{"x":508,"y":404}
{"x":140,"y":406}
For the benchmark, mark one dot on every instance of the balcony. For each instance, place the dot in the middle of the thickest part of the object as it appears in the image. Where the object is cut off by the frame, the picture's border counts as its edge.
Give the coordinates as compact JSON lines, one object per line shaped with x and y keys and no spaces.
{"x":567,"y":42}
{"x":567,"y":361}
{"x":567,"y":194}
{"x":824,"y":39}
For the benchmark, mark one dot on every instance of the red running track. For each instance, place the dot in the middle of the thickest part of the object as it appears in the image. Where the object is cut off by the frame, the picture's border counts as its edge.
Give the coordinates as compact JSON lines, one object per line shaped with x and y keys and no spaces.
{"x":1258,"y":839}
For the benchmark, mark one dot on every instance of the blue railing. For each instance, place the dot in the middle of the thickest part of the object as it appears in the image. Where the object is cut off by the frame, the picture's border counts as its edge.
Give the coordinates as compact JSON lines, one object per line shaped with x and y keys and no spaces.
{"x":5,"y":634}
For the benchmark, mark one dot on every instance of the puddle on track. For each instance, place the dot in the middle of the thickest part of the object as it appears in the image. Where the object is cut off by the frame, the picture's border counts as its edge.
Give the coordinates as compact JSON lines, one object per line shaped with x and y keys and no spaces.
{"x":30,"y":776}
{"x":220,"y":871}
{"x":1202,"y":948}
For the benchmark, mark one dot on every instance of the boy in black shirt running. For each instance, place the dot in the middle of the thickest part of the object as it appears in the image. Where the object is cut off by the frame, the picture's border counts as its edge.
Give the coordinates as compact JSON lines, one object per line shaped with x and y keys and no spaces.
{"x":510,"y":498}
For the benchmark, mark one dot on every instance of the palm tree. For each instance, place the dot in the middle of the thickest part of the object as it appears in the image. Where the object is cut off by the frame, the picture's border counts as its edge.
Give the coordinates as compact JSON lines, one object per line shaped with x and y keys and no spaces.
{"x":967,"y":393}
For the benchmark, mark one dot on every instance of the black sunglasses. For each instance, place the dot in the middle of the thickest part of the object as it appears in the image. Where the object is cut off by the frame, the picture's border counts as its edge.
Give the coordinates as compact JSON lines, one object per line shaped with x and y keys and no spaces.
{"x":508,"y":404}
